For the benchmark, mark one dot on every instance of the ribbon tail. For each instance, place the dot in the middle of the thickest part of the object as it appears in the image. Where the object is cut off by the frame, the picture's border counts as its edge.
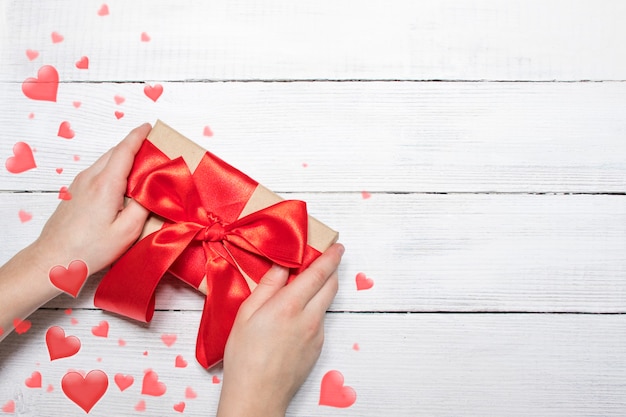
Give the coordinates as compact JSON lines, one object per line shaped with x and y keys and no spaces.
{"x":225,"y":292}
{"x":128,"y":288}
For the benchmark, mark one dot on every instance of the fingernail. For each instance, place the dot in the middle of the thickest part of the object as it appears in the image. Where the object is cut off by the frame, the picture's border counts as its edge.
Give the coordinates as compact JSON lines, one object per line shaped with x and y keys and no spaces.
{"x":342,"y":249}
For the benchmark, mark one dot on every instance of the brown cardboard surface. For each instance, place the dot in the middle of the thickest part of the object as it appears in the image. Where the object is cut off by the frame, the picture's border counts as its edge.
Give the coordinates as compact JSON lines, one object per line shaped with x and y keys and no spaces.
{"x":174,"y":144}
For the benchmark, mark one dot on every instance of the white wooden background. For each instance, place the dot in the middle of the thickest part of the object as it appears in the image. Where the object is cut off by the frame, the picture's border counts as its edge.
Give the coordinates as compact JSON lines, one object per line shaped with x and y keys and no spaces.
{"x":489,"y":136}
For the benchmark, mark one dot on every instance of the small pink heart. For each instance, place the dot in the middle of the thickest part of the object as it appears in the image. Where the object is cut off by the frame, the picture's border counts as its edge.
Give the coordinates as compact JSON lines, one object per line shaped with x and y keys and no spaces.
{"x":65,"y":131}
{"x":50,"y":388}
{"x":101,"y":330}
{"x":119,"y":115}
{"x":153,"y":92}
{"x":334,"y":393}
{"x":24,"y":216}
{"x":44,"y":87}
{"x":121,"y":342}
{"x":151,"y":384}
{"x":31,"y":116}
{"x":83,"y":63}
{"x":34,"y":381}
{"x":59,"y":345}
{"x":168,"y":339}
{"x":56,"y":37}
{"x":21,"y":326}
{"x":140,"y":406}
{"x":64,"y":194}
{"x":76,"y":158}
{"x":123,"y":381}
{"x":180,"y":407}
{"x":9,"y":407}
{"x":190,"y":393}
{"x":119,"y":99}
{"x":103,"y":10}
{"x":180,"y":362}
{"x":31,"y":54}
{"x":70,"y":279}
{"x":85,"y":391}
{"x":365,"y":195}
{"x":59,"y":171}
{"x":216,"y":379}
{"x":76,"y":104}
{"x":145,"y":37}
{"x":207,"y":131}
{"x":74,"y":321}
{"x":363,"y":282}
{"x":355,"y":347}
{"x":23,"y":159}
{"x":68,"y":311}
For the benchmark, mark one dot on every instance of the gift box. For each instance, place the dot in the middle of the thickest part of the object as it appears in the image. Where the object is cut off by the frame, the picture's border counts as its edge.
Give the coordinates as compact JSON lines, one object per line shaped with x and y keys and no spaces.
{"x":211,"y":226}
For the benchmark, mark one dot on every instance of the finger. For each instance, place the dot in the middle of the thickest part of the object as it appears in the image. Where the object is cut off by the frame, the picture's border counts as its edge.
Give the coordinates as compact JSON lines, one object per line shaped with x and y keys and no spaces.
{"x":130,"y":220}
{"x":272,"y":282}
{"x":321,"y":302}
{"x":123,"y":154}
{"x":99,"y":165}
{"x":312,"y":279}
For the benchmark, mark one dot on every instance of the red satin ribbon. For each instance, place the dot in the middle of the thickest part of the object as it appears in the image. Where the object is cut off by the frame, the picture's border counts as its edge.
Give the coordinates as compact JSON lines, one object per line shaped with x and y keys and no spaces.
{"x":202,"y":236}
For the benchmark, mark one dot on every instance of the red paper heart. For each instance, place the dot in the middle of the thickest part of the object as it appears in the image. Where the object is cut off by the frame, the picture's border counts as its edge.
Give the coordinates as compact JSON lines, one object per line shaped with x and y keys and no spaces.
{"x":151,"y":385}
{"x":24,"y":216}
{"x":119,"y":99}
{"x":83,"y":63}
{"x":21,"y":326}
{"x":23,"y":159}
{"x":76,"y":104}
{"x":123,"y":381}
{"x":190,"y":393}
{"x":119,"y":115}
{"x":180,"y":362}
{"x":216,"y":379}
{"x":207,"y":131}
{"x":333,"y":393}
{"x":86,"y":391}
{"x":145,"y":37}
{"x":69,"y":280}
{"x":363,"y":282}
{"x":59,"y":345}
{"x":32,"y":54}
{"x":44,"y":87}
{"x":168,"y":339}
{"x":180,"y":407}
{"x":101,"y":330}
{"x":34,"y":381}
{"x":65,"y":131}
{"x":64,"y":194}
{"x":9,"y":407}
{"x":365,"y":195}
{"x":59,"y":171}
{"x":104,"y":10}
{"x":56,"y":37}
{"x":153,"y":92}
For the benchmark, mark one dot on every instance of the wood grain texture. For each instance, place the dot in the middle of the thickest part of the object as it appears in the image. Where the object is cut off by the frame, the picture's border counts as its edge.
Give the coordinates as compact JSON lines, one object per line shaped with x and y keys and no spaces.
{"x":387,"y":137}
{"x":442,"y":365}
{"x":323,"y":39}
{"x":425,"y":252}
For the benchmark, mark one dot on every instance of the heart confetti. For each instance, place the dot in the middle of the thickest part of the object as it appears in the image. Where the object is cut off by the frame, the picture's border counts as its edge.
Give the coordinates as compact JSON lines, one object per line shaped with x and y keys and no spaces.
{"x":70,"y":279}
{"x":145,"y":37}
{"x":123,"y":381}
{"x":168,"y":339}
{"x":24,"y":216}
{"x":119,"y":115}
{"x":101,"y":330}
{"x":207,"y":131}
{"x":44,"y":87}
{"x":333,"y":393}
{"x":56,"y":37}
{"x":32,"y":54}
{"x":151,"y":384}
{"x":365,"y":195}
{"x":85,"y":391}
{"x":141,"y":406}
{"x":76,"y":104}
{"x":153,"y":92}
{"x":180,"y":407}
{"x":23,"y":159}
{"x":65,"y":131}
{"x":83,"y":63}
{"x":103,"y":10}
{"x":119,"y":99}
{"x":21,"y":326}
{"x":59,"y":345}
{"x":9,"y":407}
{"x":216,"y":379}
{"x":180,"y":362}
{"x":34,"y":381}
{"x":64,"y":194}
{"x":190,"y":394}
{"x":59,"y":171}
{"x":363,"y":282}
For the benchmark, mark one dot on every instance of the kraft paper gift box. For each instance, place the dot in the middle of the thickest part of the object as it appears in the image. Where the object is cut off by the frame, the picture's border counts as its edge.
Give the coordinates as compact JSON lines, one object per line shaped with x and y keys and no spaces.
{"x":211,"y":226}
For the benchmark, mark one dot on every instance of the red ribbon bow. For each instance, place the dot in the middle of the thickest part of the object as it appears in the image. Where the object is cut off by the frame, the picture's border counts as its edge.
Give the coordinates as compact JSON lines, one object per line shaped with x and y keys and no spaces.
{"x":202,"y":236}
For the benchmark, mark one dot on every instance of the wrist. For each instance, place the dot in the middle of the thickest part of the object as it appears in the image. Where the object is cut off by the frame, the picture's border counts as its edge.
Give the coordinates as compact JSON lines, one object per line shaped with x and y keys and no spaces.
{"x":241,"y":402}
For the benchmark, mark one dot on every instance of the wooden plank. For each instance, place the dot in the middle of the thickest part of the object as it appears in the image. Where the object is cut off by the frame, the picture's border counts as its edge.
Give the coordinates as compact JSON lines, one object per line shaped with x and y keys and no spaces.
{"x":399,"y":137}
{"x":459,"y":252}
{"x":325,"y":39}
{"x":441,"y":365}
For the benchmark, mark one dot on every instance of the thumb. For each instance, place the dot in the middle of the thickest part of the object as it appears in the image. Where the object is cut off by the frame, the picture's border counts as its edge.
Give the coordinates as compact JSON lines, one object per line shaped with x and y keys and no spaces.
{"x":131,"y":220}
{"x":269,"y":285}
